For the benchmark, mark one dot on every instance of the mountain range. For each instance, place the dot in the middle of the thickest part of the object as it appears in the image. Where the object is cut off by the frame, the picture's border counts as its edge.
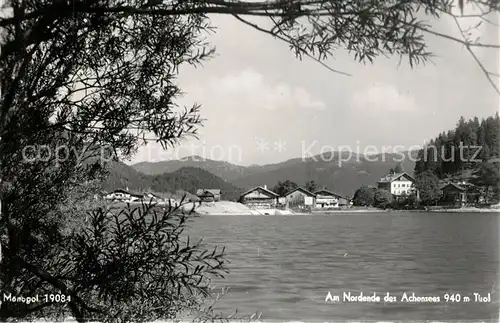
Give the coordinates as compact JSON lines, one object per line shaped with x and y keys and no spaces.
{"x":341,"y":172}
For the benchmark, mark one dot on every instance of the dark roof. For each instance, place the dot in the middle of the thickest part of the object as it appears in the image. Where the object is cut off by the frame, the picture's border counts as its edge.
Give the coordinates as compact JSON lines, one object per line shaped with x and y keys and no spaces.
{"x":303,"y":190}
{"x":393,"y":177}
{"x":456,"y":186}
{"x":326,"y":192}
{"x":203,"y":192}
{"x":120,"y":190}
{"x":260,"y":188}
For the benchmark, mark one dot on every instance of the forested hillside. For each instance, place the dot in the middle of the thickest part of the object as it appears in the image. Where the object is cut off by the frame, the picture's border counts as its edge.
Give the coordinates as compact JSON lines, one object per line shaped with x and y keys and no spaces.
{"x":461,"y":151}
{"x":188,"y":179}
{"x":469,"y":153}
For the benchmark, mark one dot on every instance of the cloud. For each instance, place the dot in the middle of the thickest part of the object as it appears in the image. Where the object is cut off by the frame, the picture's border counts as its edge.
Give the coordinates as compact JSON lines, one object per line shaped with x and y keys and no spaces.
{"x":383,"y":97}
{"x":250,"y":88}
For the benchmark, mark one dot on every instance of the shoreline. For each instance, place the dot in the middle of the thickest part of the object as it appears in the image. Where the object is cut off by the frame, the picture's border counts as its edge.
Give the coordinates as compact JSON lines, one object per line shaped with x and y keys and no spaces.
{"x":236,"y":209}
{"x":454,"y":210}
{"x":468,"y":210}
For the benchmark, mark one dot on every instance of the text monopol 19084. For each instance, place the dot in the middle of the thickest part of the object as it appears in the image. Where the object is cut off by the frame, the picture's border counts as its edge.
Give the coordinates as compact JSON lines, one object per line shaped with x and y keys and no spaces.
{"x":45,"y":298}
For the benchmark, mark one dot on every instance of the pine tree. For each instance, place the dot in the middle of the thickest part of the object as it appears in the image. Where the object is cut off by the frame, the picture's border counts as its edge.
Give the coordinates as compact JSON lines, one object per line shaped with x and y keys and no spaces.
{"x":451,"y":153}
{"x":492,"y":128}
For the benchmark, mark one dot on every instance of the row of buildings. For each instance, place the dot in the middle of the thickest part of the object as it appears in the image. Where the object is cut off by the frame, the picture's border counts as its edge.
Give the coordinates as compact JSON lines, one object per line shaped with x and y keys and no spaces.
{"x":257,"y":198}
{"x":456,"y":194}
{"x":399,"y":185}
{"x":300,"y":198}
{"x":262,"y":198}
{"x":124,"y":195}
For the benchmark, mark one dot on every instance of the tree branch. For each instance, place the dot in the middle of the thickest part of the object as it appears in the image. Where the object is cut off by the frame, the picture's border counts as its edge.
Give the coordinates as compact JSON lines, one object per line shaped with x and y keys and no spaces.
{"x":75,"y":299}
{"x":303,"y":51}
{"x":481,"y":65}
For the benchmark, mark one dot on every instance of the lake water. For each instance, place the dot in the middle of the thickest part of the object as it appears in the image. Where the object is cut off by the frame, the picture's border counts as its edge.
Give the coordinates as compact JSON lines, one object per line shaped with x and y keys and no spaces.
{"x":284,"y":266}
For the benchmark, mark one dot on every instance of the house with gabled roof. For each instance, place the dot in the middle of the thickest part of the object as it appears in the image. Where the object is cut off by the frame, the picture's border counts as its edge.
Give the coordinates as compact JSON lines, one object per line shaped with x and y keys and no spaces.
{"x":259,"y":198}
{"x":208,"y":195}
{"x":398,"y":184}
{"x":459,"y":193}
{"x":300,"y":198}
{"x":118,"y":194}
{"x":452,"y":193}
{"x":124,"y":195}
{"x":327,"y":199}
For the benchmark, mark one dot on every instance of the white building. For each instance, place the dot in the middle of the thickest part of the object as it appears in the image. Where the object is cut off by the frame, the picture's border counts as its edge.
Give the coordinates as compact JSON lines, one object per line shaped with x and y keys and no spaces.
{"x":397,"y":184}
{"x":326,"y":199}
{"x":123,"y":195}
{"x":118,"y":195}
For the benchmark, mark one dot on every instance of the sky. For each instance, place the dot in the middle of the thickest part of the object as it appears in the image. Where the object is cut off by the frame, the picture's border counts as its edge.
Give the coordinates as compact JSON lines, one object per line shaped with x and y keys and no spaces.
{"x":262,"y":105}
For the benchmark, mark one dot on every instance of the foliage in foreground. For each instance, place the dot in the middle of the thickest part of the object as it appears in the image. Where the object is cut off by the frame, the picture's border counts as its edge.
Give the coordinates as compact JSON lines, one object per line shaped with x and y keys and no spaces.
{"x":123,"y":265}
{"x":78,"y":91}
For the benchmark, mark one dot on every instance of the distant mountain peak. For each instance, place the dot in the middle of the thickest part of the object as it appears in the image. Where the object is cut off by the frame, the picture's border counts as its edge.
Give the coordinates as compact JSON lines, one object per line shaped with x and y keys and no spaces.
{"x":342,"y":171}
